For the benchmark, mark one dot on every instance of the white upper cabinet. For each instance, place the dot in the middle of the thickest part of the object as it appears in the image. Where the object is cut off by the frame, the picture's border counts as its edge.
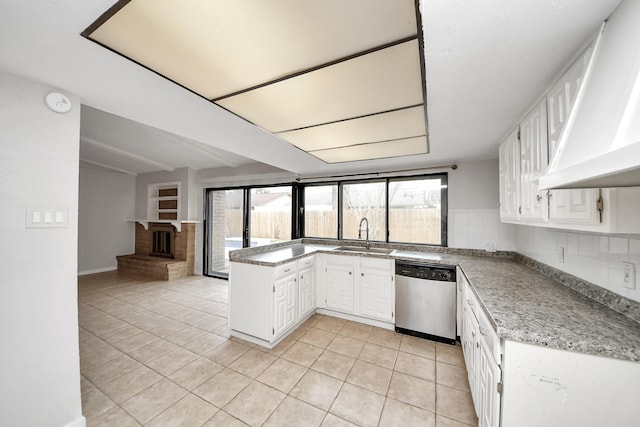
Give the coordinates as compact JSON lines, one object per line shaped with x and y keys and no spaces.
{"x":533,"y":163}
{"x":510,"y":177}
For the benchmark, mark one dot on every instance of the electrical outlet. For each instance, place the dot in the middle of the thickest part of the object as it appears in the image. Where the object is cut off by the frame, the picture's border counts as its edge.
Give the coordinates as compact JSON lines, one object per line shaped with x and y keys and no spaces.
{"x":561,"y":255}
{"x":629,"y":275}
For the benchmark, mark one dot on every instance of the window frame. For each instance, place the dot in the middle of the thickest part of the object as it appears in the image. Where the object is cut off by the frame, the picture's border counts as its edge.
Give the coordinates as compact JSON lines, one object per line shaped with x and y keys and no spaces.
{"x":444,"y":204}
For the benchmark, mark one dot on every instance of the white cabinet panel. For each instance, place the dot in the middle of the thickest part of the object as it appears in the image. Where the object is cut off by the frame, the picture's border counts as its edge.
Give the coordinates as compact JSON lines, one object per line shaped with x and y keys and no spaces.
{"x":306,"y":291}
{"x":377,"y":293}
{"x":574,"y":206}
{"x":510,"y":177}
{"x":533,"y":163}
{"x":339,"y":287}
{"x":488,"y":392}
{"x":285,"y":303}
{"x":480,"y":349}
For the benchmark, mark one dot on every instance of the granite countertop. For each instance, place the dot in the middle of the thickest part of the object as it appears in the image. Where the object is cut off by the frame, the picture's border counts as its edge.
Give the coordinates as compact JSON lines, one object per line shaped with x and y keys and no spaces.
{"x":522,"y":304}
{"x":527,"y":307}
{"x":281,"y":255}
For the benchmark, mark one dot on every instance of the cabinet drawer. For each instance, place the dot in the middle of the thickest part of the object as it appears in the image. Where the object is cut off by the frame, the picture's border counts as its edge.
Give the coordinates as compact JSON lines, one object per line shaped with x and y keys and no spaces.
{"x":376,"y":263}
{"x":306,"y":262}
{"x":285,"y":270}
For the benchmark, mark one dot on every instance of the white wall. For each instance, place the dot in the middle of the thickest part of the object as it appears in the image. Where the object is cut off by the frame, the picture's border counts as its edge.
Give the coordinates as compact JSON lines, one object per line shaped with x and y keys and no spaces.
{"x":106,"y":200}
{"x":474,"y":217}
{"x":39,"y":362}
{"x":596,"y":258}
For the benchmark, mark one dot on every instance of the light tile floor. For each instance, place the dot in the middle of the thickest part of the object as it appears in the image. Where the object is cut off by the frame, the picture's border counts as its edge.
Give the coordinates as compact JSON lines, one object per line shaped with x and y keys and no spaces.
{"x":159,"y":354}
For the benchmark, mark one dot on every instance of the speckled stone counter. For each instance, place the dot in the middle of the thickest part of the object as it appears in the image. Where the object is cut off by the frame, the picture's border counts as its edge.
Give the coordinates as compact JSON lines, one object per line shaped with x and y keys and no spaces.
{"x":528,"y":307}
{"x":523,"y":304}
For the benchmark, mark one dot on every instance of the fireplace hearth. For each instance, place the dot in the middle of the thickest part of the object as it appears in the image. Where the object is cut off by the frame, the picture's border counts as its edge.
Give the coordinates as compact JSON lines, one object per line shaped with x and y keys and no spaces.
{"x":162,"y":252}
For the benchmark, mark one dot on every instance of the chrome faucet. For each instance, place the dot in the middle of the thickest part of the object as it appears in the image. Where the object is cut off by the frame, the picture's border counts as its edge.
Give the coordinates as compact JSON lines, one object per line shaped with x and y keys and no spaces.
{"x":364,"y":219}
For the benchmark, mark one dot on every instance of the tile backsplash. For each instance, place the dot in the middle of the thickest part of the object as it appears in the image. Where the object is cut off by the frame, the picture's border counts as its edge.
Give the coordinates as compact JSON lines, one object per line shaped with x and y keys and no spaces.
{"x":593,"y":257}
{"x":480,"y":229}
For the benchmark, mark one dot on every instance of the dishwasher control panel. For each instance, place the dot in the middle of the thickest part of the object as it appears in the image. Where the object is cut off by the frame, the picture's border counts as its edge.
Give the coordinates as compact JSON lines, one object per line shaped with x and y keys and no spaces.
{"x":426,"y":271}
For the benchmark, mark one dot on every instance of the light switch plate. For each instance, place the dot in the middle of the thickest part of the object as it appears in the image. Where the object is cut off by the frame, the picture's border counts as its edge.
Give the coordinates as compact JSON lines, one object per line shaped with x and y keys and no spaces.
{"x":46,"y":217}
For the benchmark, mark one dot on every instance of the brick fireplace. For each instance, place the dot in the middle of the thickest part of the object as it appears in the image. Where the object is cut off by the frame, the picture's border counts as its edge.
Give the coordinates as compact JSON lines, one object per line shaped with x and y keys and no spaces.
{"x":162,"y":252}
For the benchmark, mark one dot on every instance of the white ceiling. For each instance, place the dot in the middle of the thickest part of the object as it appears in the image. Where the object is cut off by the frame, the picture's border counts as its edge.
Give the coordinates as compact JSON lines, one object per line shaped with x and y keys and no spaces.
{"x":121,"y":144}
{"x":486,"y":63}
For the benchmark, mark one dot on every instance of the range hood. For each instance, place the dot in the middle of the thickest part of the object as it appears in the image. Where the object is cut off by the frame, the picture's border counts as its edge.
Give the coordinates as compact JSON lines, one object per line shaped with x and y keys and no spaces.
{"x":600,"y":145}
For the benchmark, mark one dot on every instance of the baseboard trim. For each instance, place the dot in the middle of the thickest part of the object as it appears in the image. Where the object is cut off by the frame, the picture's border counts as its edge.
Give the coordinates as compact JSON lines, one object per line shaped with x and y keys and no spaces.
{"x":97,"y":270}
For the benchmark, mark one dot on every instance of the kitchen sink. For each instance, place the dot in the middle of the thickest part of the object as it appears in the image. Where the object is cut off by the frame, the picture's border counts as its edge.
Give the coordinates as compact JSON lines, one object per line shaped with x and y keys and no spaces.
{"x":365,"y":250}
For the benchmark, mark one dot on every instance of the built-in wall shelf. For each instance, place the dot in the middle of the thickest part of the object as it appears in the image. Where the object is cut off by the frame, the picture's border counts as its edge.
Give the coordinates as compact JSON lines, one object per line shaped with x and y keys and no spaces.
{"x":163,"y":201}
{"x":176,"y":223}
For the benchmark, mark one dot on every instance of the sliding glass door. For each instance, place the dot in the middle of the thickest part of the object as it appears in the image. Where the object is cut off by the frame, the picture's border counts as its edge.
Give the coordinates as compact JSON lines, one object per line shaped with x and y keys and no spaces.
{"x":225,"y":229}
{"x":244,"y":217}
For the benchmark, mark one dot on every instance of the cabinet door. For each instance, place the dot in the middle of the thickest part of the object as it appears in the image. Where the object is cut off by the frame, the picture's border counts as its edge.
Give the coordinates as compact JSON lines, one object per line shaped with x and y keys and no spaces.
{"x":376,"y":293}
{"x":574,"y":206}
{"x":488,"y":378}
{"x":306,"y":291}
{"x":469,"y":345}
{"x":509,"y":166}
{"x":284,"y":303}
{"x":533,"y":163}
{"x":339,"y":290}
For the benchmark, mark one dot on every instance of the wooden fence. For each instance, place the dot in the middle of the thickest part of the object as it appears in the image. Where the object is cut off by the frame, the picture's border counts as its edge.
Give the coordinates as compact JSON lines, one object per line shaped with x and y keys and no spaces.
{"x":406,"y":225}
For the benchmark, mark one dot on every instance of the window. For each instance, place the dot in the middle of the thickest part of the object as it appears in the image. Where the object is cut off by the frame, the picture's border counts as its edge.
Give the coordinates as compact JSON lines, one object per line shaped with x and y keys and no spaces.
{"x":410,"y":209}
{"x":321,"y":211}
{"x":364,"y":200}
{"x":270,"y":219}
{"x":415,"y":210}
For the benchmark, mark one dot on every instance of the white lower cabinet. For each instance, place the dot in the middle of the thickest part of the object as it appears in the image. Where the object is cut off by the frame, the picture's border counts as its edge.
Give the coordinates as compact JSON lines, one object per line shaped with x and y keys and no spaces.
{"x":482,"y":355}
{"x":284,"y":290}
{"x":377,"y":293}
{"x":488,"y":387}
{"x":306,"y":286}
{"x":339,"y":283}
{"x":363,"y":287}
{"x":265,"y":303}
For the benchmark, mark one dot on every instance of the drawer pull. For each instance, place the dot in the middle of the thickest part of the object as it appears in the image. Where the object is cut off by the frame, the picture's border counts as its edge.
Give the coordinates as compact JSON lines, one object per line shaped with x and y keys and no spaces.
{"x":287,"y":270}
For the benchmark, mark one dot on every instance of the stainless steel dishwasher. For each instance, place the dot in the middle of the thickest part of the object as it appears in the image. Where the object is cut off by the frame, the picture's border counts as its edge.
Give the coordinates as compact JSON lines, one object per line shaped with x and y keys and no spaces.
{"x":426,"y":300}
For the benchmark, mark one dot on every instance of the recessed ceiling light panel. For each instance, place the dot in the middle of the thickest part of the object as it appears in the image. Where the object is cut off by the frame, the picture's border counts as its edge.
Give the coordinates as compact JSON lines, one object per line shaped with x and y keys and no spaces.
{"x":292,"y":67}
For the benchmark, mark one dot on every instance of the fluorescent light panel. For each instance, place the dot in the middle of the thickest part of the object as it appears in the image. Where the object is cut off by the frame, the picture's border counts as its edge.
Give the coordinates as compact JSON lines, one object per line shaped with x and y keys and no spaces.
{"x":290,"y":64}
{"x":380,"y":81}
{"x":378,"y":150}
{"x":380,"y":127}
{"x":217,"y":47}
